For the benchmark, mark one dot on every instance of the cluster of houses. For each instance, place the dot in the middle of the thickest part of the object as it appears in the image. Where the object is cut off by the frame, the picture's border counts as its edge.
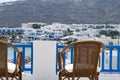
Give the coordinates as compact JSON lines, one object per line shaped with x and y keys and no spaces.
{"x":63,"y":33}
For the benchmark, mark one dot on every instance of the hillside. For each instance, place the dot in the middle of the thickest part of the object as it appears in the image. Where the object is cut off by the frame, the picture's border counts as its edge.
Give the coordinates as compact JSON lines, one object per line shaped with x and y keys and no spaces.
{"x":63,"y":11}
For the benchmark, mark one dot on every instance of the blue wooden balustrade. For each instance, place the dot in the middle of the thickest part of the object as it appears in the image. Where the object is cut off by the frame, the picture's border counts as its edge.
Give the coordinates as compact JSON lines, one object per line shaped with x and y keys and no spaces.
{"x":23,"y":48}
{"x":109,"y":59}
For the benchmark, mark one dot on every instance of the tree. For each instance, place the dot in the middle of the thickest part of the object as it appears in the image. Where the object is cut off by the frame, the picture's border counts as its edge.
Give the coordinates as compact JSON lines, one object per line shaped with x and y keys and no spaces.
{"x":111,"y":43}
{"x":103,"y":32}
{"x":36,"y":26}
{"x":69,"y":32}
{"x":111,"y":33}
{"x":13,"y":37}
{"x":77,"y":30}
{"x":114,"y":33}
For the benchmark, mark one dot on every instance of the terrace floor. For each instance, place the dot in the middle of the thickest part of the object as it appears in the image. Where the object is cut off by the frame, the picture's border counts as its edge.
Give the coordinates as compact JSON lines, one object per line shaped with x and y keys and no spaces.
{"x":105,"y":77}
{"x":101,"y":77}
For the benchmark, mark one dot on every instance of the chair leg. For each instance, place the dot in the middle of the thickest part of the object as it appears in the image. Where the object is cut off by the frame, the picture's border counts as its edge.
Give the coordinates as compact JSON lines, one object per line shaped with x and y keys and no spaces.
{"x":12,"y":78}
{"x":6,"y":78}
{"x":1,"y":78}
{"x":96,"y":77}
{"x":67,"y":78}
{"x":78,"y":78}
{"x":60,"y":76}
{"x":73,"y":77}
{"x":20,"y":76}
{"x":91,"y":77}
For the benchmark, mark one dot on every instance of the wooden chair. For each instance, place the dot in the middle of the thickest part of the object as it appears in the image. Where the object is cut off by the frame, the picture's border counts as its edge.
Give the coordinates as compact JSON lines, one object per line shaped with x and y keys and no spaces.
{"x":9,"y":69}
{"x":85,"y":62}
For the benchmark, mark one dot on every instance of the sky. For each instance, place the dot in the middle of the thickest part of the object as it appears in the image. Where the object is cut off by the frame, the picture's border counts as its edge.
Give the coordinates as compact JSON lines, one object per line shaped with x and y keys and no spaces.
{"x":1,"y":1}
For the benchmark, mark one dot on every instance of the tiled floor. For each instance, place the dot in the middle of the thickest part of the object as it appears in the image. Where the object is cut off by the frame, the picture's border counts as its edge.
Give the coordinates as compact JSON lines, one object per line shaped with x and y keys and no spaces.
{"x":105,"y":77}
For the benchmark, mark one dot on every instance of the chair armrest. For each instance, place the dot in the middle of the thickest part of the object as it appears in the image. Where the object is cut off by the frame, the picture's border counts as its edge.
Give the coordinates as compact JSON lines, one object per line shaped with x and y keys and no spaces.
{"x":60,"y":56}
{"x":19,"y":61}
{"x":11,"y":45}
{"x":14,"y":47}
{"x":60,"y":60}
{"x":102,"y":50}
{"x":19,"y":57}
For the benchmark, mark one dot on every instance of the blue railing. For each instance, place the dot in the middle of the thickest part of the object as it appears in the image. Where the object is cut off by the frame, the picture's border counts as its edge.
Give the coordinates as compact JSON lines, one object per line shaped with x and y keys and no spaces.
{"x":109,"y":59}
{"x":27,"y":53}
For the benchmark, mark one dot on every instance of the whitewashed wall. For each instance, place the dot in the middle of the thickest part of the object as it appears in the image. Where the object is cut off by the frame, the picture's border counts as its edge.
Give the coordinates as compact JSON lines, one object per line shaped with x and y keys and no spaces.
{"x":44,"y":61}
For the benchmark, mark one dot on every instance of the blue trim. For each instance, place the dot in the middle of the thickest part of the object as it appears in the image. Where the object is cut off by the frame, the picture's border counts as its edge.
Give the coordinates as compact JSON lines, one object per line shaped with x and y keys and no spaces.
{"x":118,"y":62}
{"x":31,"y":58}
{"x":72,"y":54}
{"x":23,"y":58}
{"x":57,"y":48}
{"x":103,"y":61}
{"x":110,"y":63}
{"x":56,"y":58}
{"x":14,"y":57}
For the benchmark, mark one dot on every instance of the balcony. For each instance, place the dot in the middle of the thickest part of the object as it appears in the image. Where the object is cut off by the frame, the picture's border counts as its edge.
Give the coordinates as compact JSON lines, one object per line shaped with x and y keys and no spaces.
{"x":44,"y":62}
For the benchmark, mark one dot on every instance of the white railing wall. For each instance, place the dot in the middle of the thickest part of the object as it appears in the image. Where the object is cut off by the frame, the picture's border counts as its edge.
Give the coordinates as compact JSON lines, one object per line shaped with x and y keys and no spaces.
{"x":44,"y":61}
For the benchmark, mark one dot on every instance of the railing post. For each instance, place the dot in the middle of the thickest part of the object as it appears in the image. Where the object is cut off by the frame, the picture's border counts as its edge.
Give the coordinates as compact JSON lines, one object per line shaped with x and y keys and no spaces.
{"x":23,"y":58}
{"x":110,"y":64}
{"x":56,"y":58}
{"x":31,"y":58}
{"x":14,"y":56}
{"x":72,"y":53}
{"x":103,"y":61}
{"x":118,"y":60}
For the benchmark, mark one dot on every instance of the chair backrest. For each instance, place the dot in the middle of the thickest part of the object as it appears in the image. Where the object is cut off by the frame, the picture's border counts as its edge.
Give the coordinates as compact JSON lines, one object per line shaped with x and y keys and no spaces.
{"x":86,"y":55}
{"x":3,"y":58}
